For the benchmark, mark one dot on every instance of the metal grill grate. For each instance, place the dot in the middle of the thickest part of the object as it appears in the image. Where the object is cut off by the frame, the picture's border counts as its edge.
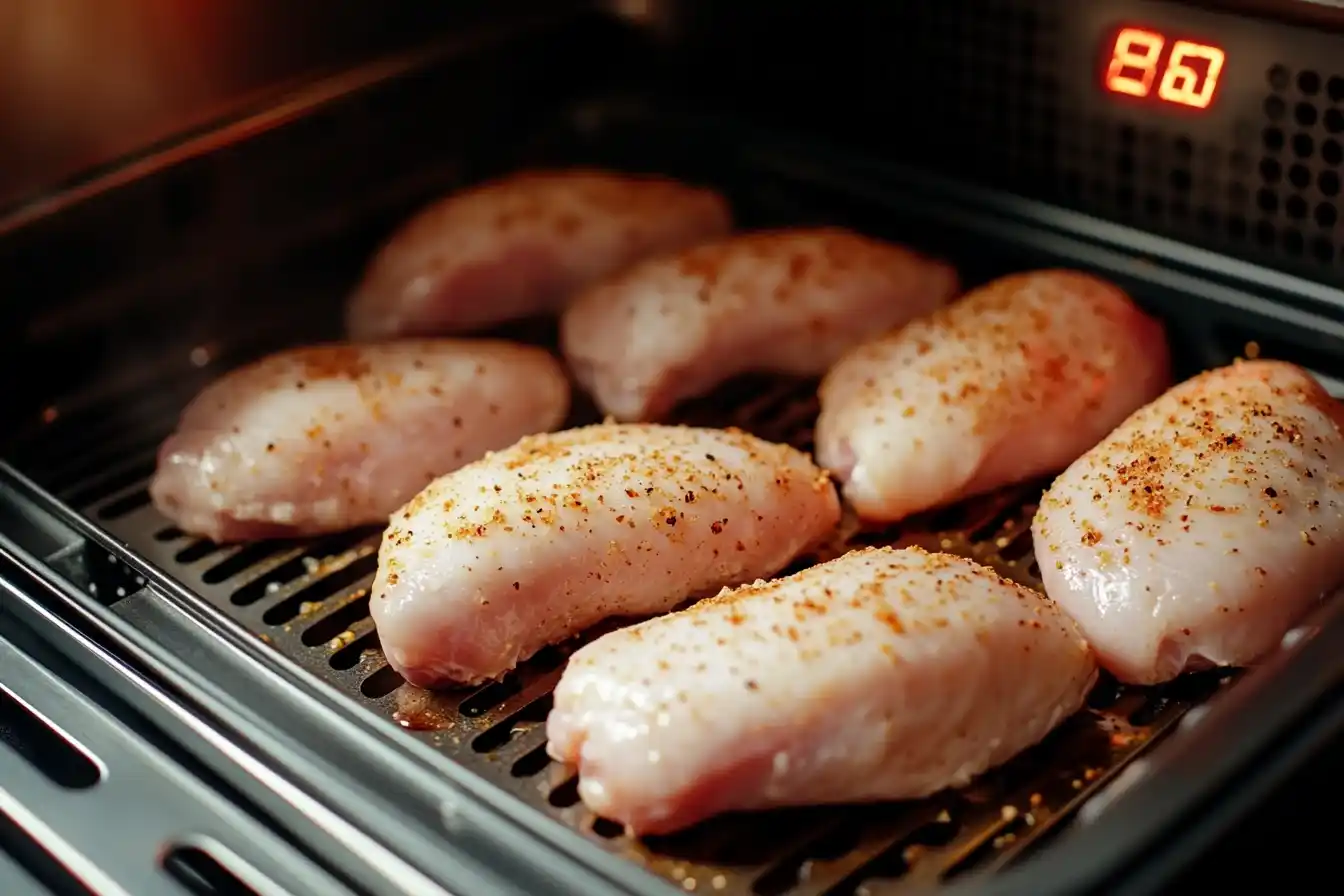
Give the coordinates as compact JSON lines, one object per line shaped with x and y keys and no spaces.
{"x":310,"y":601}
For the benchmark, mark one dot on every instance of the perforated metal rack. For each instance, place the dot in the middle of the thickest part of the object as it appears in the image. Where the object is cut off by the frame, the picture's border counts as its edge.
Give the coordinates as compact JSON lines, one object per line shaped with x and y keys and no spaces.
{"x":310,"y":601}
{"x":258,"y":668}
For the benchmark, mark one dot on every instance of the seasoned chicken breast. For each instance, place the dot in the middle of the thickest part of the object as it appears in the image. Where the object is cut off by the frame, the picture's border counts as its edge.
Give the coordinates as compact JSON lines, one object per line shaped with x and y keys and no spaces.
{"x":1200,"y":530}
{"x":534,"y":544}
{"x":882,"y":675}
{"x":520,"y":246}
{"x":331,"y":437}
{"x":1016,"y":380}
{"x":788,"y":301}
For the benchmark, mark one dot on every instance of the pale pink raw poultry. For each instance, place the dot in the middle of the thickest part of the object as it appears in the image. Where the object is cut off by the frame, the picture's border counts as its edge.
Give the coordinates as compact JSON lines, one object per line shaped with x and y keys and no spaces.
{"x":784,"y":301}
{"x":1013,"y":381}
{"x":331,"y":437}
{"x":883,"y":675}
{"x":520,"y":246}
{"x":535,"y":544}
{"x":1200,"y":530}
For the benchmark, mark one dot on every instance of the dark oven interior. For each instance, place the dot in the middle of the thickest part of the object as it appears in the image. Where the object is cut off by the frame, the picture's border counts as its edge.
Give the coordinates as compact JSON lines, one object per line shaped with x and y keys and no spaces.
{"x":248,"y":241}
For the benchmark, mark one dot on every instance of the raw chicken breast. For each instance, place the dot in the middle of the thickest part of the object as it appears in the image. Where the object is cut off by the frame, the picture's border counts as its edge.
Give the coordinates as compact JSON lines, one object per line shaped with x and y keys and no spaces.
{"x":1199,"y":531}
{"x":520,"y":246}
{"x":533,"y":545}
{"x":1016,"y":380}
{"x":332,"y":437}
{"x":776,"y":301}
{"x":882,"y":675}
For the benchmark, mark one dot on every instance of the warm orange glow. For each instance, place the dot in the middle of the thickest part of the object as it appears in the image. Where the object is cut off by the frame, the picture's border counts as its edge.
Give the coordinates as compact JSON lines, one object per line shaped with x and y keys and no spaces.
{"x":1134,"y":62}
{"x":1182,"y":83}
{"x":1189,"y":73}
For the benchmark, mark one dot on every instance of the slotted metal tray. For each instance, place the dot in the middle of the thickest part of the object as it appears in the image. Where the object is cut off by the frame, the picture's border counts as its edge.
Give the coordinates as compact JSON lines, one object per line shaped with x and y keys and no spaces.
{"x":309,"y":600}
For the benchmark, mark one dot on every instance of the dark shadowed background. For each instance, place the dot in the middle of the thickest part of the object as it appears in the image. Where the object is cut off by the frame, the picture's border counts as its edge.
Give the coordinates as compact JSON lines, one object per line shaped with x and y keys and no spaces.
{"x":85,"y":81}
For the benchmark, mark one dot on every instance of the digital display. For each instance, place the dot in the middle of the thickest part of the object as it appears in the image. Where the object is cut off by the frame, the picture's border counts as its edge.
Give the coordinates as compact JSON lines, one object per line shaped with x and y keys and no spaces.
{"x":1148,"y":64}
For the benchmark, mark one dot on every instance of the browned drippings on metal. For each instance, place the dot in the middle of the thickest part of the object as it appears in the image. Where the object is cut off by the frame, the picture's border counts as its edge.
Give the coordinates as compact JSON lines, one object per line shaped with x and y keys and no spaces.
{"x":498,"y":730}
{"x":422,"y":710}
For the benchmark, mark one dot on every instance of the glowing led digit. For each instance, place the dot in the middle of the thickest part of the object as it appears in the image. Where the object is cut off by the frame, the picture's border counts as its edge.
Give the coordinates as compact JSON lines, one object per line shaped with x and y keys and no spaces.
{"x":1134,"y":62}
{"x":1182,"y":83}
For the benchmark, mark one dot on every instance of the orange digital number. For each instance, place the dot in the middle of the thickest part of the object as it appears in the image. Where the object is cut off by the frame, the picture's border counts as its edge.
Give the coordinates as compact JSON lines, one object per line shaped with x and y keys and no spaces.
{"x":1182,"y":83}
{"x":1134,"y":62}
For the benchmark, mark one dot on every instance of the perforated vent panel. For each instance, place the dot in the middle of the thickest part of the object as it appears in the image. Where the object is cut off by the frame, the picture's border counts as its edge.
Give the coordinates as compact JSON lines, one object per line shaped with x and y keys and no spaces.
{"x":1008,"y":93}
{"x":1255,"y":176}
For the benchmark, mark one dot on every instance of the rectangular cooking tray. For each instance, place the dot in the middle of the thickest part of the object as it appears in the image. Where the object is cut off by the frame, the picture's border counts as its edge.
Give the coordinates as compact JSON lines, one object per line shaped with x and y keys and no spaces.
{"x":272,"y":643}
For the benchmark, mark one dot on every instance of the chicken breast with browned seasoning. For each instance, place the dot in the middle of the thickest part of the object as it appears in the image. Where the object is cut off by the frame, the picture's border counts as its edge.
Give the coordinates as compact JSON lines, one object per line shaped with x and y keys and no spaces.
{"x":332,"y":437}
{"x":533,"y":545}
{"x":1204,"y":527}
{"x":787,"y":301}
{"x":1013,"y":381}
{"x":883,"y":675}
{"x":520,"y":246}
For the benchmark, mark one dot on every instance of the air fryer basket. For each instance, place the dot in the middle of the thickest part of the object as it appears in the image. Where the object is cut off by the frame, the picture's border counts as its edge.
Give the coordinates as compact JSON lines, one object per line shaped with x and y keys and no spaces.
{"x":272,"y":642}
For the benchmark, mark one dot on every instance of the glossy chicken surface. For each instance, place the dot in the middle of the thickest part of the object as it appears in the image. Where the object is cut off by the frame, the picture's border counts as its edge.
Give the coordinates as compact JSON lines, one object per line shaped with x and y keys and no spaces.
{"x":1013,"y":381}
{"x":534,"y":544}
{"x":520,"y":247}
{"x":786,"y":301}
{"x":882,"y":675}
{"x":1200,"y":530}
{"x":333,"y":437}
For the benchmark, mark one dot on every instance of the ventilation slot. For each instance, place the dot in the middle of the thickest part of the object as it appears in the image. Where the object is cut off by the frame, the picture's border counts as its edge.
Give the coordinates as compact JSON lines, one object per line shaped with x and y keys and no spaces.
{"x":998,"y":838}
{"x":47,"y":749}
{"x":522,"y":721}
{"x":329,"y":627}
{"x":201,"y":874}
{"x":566,"y":795}
{"x":782,"y":879}
{"x":240,"y":561}
{"x":381,"y":683}
{"x":110,"y":484}
{"x":607,"y":829}
{"x":348,"y":657}
{"x":894,"y":861}
{"x":532,"y":763}
{"x":305,"y":563}
{"x":320,"y":590}
{"x":490,"y":696}
{"x":197,"y":550}
{"x":45,"y":868}
{"x":124,"y":505}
